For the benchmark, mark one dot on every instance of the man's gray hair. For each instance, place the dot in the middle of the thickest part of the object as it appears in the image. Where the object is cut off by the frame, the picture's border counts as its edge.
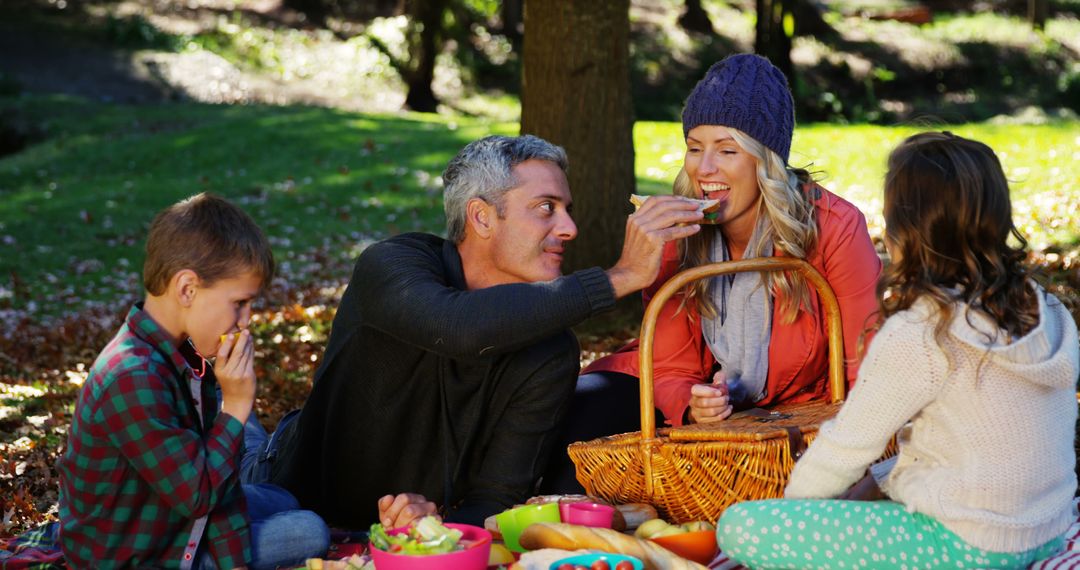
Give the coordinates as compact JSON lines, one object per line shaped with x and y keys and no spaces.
{"x":484,"y":169}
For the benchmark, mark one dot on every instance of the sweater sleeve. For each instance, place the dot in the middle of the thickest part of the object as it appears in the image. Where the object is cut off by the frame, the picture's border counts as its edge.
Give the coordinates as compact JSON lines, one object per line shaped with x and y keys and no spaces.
{"x":403,"y":291}
{"x":902,"y":373}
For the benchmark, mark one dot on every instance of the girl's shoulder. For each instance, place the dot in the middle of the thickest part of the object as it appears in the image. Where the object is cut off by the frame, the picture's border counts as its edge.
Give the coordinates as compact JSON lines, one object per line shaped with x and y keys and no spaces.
{"x":909,"y":332}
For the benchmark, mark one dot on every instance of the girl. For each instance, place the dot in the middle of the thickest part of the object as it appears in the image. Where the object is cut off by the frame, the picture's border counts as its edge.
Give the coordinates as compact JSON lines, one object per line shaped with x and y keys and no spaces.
{"x":979,"y":359}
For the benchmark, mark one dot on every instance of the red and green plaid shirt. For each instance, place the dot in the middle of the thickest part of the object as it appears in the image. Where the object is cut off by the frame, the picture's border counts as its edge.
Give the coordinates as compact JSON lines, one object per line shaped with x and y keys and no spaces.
{"x":140,"y":467}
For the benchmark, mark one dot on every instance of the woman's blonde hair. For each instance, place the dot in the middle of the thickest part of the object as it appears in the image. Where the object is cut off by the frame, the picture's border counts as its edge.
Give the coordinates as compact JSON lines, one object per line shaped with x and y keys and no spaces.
{"x":786,"y":219}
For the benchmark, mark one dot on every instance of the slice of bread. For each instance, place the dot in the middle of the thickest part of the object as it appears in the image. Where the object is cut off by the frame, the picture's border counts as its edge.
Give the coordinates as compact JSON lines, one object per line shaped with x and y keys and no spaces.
{"x":711,"y":208}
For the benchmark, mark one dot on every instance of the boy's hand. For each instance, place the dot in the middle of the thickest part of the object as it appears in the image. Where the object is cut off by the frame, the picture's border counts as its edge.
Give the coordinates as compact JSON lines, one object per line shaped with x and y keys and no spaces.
{"x":709,"y":402}
{"x":399,"y":511}
{"x":235,"y":370}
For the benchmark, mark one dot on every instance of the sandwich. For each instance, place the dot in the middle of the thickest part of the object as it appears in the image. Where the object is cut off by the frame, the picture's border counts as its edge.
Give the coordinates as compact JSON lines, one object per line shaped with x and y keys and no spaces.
{"x":709,"y":208}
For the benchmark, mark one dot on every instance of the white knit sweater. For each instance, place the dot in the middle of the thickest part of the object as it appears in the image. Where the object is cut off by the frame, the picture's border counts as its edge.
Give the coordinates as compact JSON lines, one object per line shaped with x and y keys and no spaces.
{"x":989,"y":448}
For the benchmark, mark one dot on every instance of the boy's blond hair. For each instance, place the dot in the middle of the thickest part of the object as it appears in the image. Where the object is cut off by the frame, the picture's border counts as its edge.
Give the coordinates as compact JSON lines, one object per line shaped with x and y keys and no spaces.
{"x":208,"y":235}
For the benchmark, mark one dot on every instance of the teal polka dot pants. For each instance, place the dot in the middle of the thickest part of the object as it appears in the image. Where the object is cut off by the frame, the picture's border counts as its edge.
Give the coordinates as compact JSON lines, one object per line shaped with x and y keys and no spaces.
{"x":827,"y":535}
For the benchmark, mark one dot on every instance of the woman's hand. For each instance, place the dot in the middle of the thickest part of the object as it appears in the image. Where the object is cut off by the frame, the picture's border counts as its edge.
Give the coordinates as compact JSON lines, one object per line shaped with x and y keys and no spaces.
{"x":709,"y":402}
{"x":399,"y":511}
{"x":235,"y":371}
{"x":865,"y":490}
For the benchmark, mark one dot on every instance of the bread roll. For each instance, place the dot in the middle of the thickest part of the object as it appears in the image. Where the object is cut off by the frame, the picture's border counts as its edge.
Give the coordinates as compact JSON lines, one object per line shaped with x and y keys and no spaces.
{"x":573,"y":537}
{"x":491,"y":525}
{"x":635,"y":513}
{"x":545,"y":499}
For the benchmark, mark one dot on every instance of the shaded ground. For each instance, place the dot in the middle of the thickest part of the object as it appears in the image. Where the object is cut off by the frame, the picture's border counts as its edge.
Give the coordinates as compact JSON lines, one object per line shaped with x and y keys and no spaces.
{"x":958,"y":69}
{"x":128,"y":58}
{"x":60,"y":64}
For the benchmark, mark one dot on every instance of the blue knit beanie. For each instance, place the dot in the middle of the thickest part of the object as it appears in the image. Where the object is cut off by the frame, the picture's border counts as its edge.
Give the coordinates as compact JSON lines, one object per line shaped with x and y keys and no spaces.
{"x":748,"y":93}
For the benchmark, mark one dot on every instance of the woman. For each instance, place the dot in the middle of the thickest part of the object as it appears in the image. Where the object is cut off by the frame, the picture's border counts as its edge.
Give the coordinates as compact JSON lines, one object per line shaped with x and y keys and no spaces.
{"x":729,"y":343}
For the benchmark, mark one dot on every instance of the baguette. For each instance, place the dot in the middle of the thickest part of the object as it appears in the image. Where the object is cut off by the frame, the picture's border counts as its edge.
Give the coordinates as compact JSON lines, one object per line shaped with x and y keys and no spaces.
{"x":710,"y":208}
{"x":573,"y":537}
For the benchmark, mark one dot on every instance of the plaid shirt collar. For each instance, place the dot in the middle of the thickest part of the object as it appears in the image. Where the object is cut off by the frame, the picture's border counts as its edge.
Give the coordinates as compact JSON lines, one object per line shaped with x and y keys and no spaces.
{"x":184,"y":358}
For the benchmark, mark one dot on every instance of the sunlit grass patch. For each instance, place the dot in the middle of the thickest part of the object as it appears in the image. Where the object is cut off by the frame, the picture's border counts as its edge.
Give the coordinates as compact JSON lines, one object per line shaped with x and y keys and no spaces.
{"x":1042,"y":163}
{"x":76,"y":207}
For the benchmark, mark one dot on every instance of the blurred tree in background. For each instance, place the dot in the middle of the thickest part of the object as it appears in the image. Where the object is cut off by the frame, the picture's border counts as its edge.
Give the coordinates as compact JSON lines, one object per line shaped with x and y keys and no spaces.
{"x":695,"y":19}
{"x":576,"y":93}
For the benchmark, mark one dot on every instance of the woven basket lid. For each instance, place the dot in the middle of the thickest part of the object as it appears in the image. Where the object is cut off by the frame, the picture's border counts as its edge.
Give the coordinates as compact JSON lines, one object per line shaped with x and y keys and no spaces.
{"x":759,"y":424}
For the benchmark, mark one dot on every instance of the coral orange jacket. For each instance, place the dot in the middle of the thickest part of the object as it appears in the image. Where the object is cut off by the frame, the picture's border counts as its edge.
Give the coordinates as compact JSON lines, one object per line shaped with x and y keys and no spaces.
{"x":798,"y":351}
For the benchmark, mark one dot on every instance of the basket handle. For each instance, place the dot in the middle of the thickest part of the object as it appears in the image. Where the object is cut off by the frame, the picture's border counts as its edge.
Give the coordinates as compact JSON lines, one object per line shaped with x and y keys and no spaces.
{"x":837,"y":386}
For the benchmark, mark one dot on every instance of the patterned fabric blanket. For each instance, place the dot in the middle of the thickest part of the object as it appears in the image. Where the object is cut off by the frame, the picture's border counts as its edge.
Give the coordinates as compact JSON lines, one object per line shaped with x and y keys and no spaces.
{"x":37,"y":549}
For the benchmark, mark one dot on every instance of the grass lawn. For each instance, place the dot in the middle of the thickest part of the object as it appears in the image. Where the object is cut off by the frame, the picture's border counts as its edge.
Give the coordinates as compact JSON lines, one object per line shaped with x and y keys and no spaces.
{"x":77,"y":205}
{"x":1042,"y":163}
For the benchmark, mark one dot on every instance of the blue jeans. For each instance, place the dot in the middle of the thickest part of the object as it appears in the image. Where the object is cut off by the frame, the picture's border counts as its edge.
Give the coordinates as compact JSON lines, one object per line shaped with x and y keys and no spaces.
{"x":260,"y":448}
{"x":282,"y":535}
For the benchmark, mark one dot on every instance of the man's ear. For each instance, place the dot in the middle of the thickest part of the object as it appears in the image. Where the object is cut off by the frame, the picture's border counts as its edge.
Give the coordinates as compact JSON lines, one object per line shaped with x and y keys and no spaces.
{"x":478,"y":217}
{"x":185,"y":283}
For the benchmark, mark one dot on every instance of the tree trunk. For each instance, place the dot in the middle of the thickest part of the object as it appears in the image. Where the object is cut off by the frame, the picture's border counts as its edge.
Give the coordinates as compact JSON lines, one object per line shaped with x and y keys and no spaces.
{"x":428,"y":15}
{"x":576,"y":93}
{"x":1037,"y":13}
{"x":315,"y":11}
{"x":511,"y":13}
{"x":695,"y":18}
{"x":771,"y":38}
{"x":810,"y":22}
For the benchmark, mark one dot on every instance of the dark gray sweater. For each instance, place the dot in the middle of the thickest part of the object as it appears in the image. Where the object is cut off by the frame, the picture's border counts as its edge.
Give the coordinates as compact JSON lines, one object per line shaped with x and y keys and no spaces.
{"x":429,"y":388}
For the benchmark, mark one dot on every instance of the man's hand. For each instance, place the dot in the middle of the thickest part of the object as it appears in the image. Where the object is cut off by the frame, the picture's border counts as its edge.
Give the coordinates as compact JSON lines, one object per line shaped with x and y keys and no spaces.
{"x":647,"y":230}
{"x":235,"y":371}
{"x":399,"y":511}
{"x":709,"y":402}
{"x":865,"y":490}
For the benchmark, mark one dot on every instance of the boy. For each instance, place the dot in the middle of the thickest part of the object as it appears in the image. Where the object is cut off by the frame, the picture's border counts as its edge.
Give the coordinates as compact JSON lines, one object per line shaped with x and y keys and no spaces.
{"x":150,"y":473}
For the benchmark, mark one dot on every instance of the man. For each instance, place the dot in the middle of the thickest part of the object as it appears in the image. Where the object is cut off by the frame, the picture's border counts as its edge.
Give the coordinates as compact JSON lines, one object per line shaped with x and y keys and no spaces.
{"x":450,"y":362}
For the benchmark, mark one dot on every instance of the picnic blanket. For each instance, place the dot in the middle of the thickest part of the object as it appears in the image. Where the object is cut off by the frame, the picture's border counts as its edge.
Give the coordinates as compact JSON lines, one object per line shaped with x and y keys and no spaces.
{"x":37,"y":549}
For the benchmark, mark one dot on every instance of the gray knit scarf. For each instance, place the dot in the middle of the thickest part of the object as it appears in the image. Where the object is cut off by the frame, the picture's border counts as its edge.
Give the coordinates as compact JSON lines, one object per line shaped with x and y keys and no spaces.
{"x":739,"y":335}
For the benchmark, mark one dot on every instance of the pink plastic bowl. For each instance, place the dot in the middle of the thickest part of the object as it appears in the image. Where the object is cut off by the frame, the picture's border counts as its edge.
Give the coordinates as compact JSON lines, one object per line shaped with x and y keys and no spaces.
{"x":590,"y":514}
{"x":473,"y":558}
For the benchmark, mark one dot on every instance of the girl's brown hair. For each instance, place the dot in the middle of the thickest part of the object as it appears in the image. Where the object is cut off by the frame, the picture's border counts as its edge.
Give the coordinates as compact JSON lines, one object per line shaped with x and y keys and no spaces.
{"x":948,"y":220}
{"x":209,"y":236}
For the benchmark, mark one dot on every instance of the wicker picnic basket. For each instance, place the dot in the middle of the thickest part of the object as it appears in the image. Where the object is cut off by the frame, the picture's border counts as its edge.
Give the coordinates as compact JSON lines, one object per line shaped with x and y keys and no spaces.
{"x":694,"y":472}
